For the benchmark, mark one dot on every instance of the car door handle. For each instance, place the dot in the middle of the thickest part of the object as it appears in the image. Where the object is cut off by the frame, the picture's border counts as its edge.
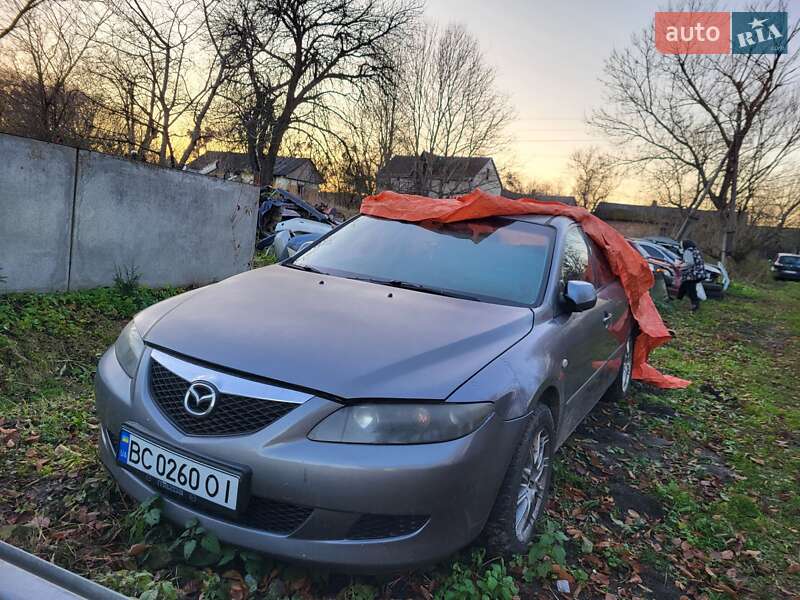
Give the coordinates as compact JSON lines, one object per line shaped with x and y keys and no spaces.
{"x":607,"y":319}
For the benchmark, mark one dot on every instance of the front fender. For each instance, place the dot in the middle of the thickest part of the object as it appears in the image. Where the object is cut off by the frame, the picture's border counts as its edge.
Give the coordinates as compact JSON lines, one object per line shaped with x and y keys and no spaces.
{"x":152,"y":314}
{"x":514,"y":381}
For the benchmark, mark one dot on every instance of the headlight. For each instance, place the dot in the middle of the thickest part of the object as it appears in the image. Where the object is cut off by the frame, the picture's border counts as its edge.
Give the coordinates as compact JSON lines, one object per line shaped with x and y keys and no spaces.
{"x":401,"y":423}
{"x":129,"y":348}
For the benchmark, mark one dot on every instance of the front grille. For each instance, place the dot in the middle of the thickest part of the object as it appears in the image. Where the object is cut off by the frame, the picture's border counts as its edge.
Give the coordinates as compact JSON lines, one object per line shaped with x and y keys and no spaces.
{"x":274,"y":516}
{"x":232,"y":415}
{"x":374,"y":527}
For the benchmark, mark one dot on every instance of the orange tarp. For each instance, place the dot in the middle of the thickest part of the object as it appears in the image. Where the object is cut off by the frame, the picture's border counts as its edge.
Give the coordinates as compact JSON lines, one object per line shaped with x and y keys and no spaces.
{"x":625,"y":262}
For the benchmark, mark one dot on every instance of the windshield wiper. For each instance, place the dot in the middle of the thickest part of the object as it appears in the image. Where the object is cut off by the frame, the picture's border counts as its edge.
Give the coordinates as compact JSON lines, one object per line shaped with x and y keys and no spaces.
{"x":418,"y":287}
{"x":308,"y":268}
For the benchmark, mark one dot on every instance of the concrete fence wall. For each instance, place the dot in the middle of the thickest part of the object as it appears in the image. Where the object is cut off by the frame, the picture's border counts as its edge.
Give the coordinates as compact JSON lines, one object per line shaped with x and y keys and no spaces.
{"x":70,"y":218}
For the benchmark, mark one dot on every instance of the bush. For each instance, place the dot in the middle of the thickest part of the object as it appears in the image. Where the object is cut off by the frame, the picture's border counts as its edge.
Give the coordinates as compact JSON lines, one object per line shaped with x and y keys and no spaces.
{"x":751,"y":269}
{"x":478,"y":579}
{"x":126,"y":280}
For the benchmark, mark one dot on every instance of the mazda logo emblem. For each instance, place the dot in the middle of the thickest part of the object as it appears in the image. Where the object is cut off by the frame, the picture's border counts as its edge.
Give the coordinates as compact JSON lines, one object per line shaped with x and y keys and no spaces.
{"x":200,"y":398}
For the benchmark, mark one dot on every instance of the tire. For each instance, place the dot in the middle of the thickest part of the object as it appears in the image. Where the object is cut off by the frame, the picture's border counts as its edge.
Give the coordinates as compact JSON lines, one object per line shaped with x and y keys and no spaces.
{"x":714,"y":291}
{"x":622,"y":383}
{"x":502,"y":535}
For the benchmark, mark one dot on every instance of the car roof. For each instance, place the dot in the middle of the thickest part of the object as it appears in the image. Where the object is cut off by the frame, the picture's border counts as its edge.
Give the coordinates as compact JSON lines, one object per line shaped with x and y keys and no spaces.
{"x":660,"y":239}
{"x":787,"y":254}
{"x":557,"y":221}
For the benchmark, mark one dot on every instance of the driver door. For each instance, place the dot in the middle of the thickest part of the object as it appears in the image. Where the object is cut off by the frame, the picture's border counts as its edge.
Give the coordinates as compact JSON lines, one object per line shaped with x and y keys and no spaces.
{"x":584,"y":334}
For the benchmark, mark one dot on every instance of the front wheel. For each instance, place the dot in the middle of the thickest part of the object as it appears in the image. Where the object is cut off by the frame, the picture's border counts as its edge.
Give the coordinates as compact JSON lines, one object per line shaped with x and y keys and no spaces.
{"x":622,"y":383}
{"x":526,"y":487}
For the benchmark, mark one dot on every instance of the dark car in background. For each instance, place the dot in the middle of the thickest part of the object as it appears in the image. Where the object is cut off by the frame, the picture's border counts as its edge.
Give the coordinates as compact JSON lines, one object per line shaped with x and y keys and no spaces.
{"x":378,"y":400}
{"x":786,"y":266}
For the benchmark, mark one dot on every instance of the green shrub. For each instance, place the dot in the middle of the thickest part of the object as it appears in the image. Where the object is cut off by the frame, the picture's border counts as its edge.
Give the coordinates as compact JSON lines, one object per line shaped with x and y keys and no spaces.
{"x":479,"y":579}
{"x":126,"y":280}
{"x":138,"y":584}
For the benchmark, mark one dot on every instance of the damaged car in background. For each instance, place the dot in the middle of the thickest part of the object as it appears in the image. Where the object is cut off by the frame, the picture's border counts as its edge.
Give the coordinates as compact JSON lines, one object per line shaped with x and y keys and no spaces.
{"x":287,"y":223}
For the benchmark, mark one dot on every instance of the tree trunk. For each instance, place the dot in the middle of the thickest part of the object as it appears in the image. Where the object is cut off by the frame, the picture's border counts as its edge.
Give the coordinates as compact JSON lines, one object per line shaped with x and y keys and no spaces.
{"x":268,"y":162}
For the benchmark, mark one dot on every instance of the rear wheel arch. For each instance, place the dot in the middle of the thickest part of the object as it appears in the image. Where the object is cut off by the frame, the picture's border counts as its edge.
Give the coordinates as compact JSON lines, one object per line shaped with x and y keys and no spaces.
{"x":550,"y":398}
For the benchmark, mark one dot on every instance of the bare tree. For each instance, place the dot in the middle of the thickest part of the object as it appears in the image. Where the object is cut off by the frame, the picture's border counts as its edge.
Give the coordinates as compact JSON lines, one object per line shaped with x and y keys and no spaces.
{"x":43,"y":80}
{"x":363,"y":135}
{"x":528,"y":186}
{"x":297,"y":55}
{"x":14,"y":12}
{"x":596,"y":176}
{"x":452,"y":106}
{"x":707,"y":113}
{"x":162,"y":66}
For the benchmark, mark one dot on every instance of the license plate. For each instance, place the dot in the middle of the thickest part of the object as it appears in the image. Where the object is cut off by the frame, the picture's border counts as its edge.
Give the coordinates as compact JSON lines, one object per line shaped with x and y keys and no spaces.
{"x":177,"y":472}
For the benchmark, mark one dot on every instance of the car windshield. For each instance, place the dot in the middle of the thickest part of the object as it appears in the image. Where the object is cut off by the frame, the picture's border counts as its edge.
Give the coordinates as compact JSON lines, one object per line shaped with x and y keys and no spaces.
{"x":495,"y":260}
{"x":791,"y":261}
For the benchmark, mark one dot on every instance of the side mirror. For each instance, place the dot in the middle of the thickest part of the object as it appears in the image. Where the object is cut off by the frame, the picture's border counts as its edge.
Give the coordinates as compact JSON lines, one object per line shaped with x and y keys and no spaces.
{"x":579,"y":296}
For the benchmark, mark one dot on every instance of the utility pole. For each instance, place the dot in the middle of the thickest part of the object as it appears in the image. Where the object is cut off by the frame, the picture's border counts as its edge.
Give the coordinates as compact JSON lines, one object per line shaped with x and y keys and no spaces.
{"x":729,"y":228}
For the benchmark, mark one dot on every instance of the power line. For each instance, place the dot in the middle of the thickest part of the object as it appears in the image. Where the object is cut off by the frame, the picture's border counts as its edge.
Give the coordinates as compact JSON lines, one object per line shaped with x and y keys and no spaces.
{"x":544,"y":140}
{"x":550,"y":119}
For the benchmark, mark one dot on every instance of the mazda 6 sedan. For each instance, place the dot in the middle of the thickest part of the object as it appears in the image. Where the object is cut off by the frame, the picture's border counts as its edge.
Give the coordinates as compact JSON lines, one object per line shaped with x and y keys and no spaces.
{"x":379,"y":400}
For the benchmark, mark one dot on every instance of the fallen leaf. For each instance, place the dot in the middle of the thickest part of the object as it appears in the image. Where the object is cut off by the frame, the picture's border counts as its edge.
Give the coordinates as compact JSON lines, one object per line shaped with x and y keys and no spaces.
{"x":40,"y":522}
{"x":138,"y":549}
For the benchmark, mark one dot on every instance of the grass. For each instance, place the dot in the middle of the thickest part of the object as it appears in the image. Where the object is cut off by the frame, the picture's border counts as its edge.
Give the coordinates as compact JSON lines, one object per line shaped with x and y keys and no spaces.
{"x":690,"y":492}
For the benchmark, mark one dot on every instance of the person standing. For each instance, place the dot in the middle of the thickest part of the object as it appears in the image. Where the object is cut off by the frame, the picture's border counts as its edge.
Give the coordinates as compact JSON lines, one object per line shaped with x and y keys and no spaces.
{"x":693,"y":271}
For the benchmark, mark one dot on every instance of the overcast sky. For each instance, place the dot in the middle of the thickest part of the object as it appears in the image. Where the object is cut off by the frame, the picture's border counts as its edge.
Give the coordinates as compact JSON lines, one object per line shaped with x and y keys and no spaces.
{"x":548,"y":57}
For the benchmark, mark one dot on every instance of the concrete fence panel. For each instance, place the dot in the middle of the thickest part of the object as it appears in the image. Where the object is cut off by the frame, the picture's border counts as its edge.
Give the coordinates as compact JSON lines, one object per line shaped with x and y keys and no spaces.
{"x":172,"y":227}
{"x":37,"y":181}
{"x":72,"y":219}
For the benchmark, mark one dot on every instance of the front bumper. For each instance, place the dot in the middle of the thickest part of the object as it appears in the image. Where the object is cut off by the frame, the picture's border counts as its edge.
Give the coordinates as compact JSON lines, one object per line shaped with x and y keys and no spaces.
{"x":423,"y":502}
{"x":792,"y":274}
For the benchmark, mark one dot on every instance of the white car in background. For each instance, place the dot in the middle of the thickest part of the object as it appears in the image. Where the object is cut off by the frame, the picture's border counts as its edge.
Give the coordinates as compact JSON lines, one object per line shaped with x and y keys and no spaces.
{"x":293,"y":235}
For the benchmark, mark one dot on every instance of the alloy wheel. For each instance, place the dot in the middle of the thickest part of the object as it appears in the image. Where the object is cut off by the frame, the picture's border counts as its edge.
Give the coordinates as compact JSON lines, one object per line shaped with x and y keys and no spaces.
{"x":627,"y":366}
{"x":532,"y":487}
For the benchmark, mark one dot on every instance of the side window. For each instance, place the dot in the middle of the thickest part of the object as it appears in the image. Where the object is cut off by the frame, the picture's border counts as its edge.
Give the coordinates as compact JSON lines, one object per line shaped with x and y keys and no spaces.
{"x":576,"y":257}
{"x":601,"y":271}
{"x":654,"y":252}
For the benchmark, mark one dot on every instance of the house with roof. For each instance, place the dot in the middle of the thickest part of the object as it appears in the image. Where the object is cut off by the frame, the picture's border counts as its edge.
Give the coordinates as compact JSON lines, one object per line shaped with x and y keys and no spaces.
{"x":298,"y":176}
{"x":439,"y":176}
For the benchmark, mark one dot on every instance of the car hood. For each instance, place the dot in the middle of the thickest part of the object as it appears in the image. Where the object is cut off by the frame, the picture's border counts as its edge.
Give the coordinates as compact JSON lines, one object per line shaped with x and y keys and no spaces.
{"x":346,"y":338}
